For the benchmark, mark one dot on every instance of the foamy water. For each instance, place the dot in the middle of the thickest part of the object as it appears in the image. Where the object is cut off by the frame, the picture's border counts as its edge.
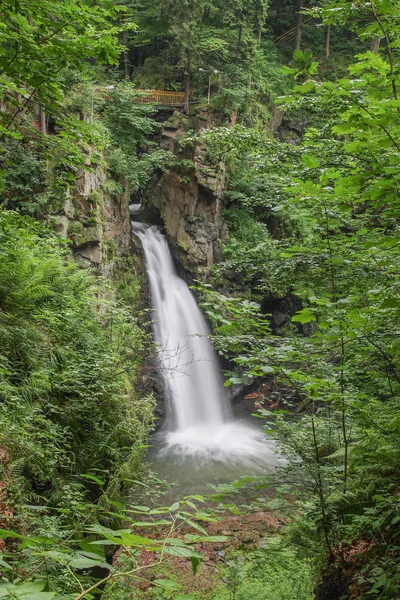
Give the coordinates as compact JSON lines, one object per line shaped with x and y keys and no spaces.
{"x":234,"y":441}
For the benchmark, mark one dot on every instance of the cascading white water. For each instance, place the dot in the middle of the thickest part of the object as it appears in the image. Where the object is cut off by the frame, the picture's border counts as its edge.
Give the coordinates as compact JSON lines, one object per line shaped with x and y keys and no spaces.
{"x":200,"y":422}
{"x":188,"y":360}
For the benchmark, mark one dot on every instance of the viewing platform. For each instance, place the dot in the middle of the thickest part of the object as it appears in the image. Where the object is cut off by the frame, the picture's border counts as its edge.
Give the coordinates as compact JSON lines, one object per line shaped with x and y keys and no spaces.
{"x":163,"y":97}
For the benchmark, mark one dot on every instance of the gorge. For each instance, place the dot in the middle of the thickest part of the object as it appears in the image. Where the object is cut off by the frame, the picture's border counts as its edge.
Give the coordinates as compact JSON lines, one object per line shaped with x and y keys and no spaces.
{"x":204,"y":404}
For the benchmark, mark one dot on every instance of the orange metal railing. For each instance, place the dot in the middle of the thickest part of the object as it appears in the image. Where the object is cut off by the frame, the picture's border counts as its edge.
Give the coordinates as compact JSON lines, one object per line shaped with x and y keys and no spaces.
{"x":162,"y":97}
{"x":147,"y":96}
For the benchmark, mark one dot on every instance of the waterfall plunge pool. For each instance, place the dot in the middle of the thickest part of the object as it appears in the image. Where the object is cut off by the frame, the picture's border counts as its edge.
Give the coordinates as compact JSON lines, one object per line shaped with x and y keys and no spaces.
{"x":209,"y":458}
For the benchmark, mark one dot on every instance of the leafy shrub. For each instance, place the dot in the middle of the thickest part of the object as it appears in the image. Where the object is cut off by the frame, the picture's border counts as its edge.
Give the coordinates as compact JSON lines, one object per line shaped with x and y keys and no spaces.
{"x":25,"y":176}
{"x":132,"y":154}
{"x":271,"y":573}
{"x":250,"y":256}
{"x":69,"y":356}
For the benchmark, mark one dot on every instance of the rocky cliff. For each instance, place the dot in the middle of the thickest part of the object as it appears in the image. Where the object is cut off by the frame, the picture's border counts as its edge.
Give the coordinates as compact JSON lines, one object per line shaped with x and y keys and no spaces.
{"x":188,"y":199}
{"x":96,"y":220}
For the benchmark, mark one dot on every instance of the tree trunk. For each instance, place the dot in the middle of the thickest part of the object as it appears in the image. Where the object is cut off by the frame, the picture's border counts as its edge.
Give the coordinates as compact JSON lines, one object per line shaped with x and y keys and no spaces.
{"x":20,"y":108}
{"x":328,"y":42}
{"x":42,"y":119}
{"x":376,"y":42}
{"x":187,"y":84}
{"x":299,"y":24}
{"x":240,"y":33}
{"x":125,"y":42}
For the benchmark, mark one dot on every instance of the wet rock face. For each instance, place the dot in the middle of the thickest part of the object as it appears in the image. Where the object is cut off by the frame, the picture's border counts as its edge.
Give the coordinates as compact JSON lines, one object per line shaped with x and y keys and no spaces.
{"x":187,"y":200}
{"x":191,"y":215}
{"x":97,"y":223}
{"x":281,"y":310}
{"x":292,"y":131}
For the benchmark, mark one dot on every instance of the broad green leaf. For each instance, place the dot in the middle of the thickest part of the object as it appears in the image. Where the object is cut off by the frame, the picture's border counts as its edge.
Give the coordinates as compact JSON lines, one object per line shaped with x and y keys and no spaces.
{"x":298,"y":55}
{"x":182,"y":552}
{"x":89,"y":546}
{"x":168,"y":584}
{"x":195,"y":560}
{"x":91,"y":477}
{"x":4,"y":564}
{"x":9,"y":533}
{"x":196,"y":526}
{"x":37,"y":596}
{"x":131,"y":540}
{"x":304,"y":316}
{"x":84,"y":563}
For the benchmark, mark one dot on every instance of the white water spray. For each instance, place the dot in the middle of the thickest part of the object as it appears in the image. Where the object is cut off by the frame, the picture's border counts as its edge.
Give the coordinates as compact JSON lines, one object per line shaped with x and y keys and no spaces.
{"x":199,"y":422}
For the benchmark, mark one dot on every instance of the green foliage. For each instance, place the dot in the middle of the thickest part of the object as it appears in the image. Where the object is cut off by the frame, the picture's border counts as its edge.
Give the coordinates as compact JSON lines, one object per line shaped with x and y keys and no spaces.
{"x":48,"y":64}
{"x":302,"y":64}
{"x":233,"y":319}
{"x":251,"y":89}
{"x":249,"y":255}
{"x":319,"y":221}
{"x":25,"y":177}
{"x":33,"y":37}
{"x":271,"y":573}
{"x":69,"y":351}
{"x":67,"y":564}
{"x":38,"y":171}
{"x":259,"y":217}
{"x":217,"y":46}
{"x":46,"y":49}
{"x":339,"y":194}
{"x":132,"y":156}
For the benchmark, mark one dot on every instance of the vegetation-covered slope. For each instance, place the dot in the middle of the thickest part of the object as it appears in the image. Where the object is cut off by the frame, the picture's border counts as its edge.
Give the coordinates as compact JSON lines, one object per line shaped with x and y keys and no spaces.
{"x":320,"y":221}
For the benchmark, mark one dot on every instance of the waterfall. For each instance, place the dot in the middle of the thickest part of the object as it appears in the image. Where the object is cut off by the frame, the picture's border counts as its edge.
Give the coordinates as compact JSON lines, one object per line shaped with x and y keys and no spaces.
{"x":199,"y":419}
{"x":188,"y":360}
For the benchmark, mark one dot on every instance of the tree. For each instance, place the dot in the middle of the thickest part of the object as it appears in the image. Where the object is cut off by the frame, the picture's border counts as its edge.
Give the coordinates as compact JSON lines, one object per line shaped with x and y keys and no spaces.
{"x":175,"y":27}
{"x":44,"y":43}
{"x":333,"y":202}
{"x":185,"y":42}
